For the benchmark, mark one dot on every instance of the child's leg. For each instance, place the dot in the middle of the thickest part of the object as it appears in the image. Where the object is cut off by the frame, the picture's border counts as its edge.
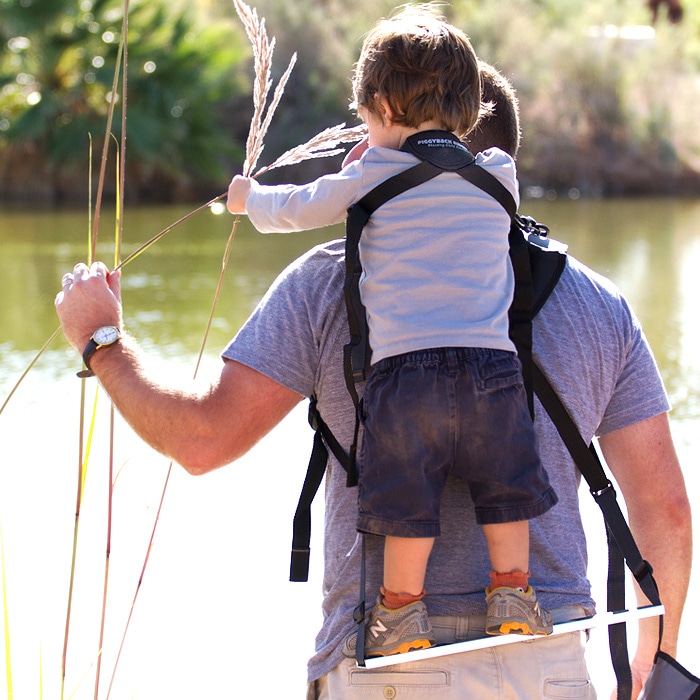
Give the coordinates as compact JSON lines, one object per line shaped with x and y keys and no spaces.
{"x":509,"y":550}
{"x":400,"y":622}
{"x":405,"y":562}
{"x":512,"y":606}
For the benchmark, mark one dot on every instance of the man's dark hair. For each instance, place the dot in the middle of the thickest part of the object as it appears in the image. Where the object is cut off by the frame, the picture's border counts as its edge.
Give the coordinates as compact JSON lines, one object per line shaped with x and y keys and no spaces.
{"x":501,"y":128}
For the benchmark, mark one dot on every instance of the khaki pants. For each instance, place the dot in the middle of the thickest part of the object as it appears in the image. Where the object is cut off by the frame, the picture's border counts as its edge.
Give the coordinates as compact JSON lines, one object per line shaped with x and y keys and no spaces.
{"x":548,"y":667}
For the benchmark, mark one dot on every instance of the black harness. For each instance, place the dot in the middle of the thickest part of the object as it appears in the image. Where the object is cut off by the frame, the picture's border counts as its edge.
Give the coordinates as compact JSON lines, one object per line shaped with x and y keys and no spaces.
{"x":537,"y":267}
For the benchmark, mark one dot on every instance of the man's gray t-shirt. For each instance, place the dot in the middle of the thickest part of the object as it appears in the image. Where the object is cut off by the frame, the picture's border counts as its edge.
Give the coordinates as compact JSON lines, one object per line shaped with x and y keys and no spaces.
{"x":587,"y":341}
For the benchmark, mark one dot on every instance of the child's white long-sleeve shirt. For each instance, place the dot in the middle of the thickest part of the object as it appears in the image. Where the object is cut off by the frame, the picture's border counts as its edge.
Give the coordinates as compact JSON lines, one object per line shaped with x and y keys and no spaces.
{"x":436,"y":270}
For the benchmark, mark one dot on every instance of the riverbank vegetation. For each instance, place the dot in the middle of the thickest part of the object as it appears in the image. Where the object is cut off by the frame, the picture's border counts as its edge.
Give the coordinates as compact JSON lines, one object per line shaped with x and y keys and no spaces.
{"x":608,"y":103}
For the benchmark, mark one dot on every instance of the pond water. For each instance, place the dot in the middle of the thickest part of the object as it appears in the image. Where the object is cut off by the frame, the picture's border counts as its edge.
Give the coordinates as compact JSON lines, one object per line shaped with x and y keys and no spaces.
{"x":215,"y":616}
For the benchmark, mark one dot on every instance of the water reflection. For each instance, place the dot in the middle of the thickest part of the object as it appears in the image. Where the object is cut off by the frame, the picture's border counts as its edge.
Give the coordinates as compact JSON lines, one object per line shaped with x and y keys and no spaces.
{"x":167,"y":291}
{"x":651,"y":249}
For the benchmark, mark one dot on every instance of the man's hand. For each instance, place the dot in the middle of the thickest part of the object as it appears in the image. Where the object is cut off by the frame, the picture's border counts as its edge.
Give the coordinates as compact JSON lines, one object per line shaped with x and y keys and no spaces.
{"x":90,"y":298}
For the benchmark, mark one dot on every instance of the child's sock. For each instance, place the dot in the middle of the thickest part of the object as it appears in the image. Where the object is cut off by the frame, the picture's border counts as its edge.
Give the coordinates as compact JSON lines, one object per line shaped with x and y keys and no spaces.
{"x":512,"y":579}
{"x":393,"y":600}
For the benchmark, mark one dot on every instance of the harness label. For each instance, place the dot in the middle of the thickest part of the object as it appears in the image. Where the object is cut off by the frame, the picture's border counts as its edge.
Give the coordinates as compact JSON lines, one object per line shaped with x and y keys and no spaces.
{"x":441,"y":148}
{"x":442,"y":142}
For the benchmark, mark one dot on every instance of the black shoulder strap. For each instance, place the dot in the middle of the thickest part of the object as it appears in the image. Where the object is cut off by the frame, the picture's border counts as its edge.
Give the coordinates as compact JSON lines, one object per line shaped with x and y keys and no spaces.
{"x":357,"y":360}
{"x":437,"y":151}
{"x":621,"y":545}
{"x":301,"y":531}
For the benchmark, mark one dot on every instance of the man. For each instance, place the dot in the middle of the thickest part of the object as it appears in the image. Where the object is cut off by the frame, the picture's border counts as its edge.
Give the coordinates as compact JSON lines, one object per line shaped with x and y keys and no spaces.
{"x":591,"y":347}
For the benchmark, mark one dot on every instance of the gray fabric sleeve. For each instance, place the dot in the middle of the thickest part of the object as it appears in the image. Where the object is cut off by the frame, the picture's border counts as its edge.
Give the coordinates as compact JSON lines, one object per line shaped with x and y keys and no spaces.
{"x":285,"y":334}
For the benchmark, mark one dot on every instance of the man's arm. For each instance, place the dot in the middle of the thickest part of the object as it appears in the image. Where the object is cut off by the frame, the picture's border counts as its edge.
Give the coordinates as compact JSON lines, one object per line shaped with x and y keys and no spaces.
{"x":200,"y":428}
{"x":644,"y":462}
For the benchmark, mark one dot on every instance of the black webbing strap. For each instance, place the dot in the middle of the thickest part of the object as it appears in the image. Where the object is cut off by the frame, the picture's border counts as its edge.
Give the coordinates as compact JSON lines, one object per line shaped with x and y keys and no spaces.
{"x":590,"y":466}
{"x":492,"y":186}
{"x":301,"y":532}
{"x":520,"y":312}
{"x":621,"y":545}
{"x":356,"y":353}
{"x":456,"y":159}
{"x":358,"y":215}
{"x":546,"y":266}
{"x":617,"y":634}
{"x":359,"y":612}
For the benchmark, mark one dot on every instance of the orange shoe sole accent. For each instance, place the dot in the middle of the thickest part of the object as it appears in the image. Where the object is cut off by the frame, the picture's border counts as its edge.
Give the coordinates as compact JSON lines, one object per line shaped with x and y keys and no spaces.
{"x":518,"y":628}
{"x":415,"y":645}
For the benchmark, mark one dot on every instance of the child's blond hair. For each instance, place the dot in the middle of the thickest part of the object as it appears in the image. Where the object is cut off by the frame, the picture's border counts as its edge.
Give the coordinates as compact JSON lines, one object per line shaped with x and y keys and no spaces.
{"x":424,"y":67}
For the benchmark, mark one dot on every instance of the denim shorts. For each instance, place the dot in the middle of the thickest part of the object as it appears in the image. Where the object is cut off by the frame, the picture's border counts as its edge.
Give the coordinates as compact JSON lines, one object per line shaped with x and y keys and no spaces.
{"x":447,"y":411}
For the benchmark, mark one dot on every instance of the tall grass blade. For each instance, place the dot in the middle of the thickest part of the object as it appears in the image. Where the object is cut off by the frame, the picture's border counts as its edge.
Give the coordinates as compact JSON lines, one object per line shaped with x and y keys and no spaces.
{"x":132,"y":256}
{"x":29,"y":367}
{"x":108,"y":552}
{"x":105,"y":147}
{"x":6,"y":619}
{"x":81,"y":680}
{"x":78,"y":504}
{"x":120,"y":167}
{"x":91,"y":254}
{"x":262,"y":53}
{"x":140,"y":581}
{"x":88,"y":442}
{"x":217,"y":293}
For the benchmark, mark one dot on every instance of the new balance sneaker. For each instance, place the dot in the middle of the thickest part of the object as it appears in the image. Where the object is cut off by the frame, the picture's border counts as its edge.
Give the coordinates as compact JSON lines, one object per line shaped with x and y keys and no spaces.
{"x":394,"y":631}
{"x":513,"y":611}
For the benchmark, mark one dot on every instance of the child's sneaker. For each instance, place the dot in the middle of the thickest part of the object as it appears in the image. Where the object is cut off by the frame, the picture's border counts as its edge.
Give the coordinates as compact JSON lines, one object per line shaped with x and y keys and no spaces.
{"x":394,"y":631}
{"x":513,"y":611}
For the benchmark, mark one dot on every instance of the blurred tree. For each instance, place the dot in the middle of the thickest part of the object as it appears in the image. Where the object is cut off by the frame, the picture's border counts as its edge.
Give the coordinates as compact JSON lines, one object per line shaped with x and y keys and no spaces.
{"x":57,"y":62}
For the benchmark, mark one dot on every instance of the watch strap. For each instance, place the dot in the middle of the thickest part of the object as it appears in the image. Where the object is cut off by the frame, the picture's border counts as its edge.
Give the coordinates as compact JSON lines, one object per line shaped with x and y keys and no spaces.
{"x":90,"y":350}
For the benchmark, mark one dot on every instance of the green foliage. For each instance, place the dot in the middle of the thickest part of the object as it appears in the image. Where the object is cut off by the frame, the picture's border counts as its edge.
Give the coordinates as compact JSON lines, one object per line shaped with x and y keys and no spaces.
{"x":326,"y":35}
{"x":598,"y":106}
{"x":597,"y":88}
{"x":56,"y":73}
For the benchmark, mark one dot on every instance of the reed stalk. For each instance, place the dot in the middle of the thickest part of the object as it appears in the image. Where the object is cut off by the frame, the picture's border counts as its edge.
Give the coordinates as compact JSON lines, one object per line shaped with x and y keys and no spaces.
{"x":78,"y":504}
{"x":105,"y":145}
{"x":118,"y":236}
{"x":324,"y":144}
{"x":6,"y":619}
{"x":83,"y":460}
{"x":43,"y":348}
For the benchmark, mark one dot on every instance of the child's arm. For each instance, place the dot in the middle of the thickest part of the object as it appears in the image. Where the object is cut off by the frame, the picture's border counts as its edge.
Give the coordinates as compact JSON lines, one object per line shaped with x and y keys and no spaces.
{"x":288,"y":208}
{"x":238,"y":192}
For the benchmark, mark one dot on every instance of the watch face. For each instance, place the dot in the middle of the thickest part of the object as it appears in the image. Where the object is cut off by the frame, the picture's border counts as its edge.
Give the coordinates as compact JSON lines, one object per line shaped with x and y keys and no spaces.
{"x":106,"y":335}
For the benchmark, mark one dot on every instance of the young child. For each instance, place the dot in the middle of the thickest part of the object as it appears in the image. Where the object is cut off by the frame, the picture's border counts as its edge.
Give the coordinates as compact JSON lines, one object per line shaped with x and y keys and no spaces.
{"x":446,"y":396}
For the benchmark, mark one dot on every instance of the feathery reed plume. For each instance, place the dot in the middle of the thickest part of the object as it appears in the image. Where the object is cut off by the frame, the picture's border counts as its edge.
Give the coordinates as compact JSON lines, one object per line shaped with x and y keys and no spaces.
{"x":323,"y":145}
{"x":263,"y":48}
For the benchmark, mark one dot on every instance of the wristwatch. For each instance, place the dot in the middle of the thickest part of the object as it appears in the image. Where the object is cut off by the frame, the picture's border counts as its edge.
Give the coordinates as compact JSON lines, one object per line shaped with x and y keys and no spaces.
{"x":102,"y":337}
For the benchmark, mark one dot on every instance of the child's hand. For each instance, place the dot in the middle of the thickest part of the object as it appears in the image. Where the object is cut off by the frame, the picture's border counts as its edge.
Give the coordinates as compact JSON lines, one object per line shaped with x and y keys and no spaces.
{"x":356,"y":151}
{"x":238,"y":192}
